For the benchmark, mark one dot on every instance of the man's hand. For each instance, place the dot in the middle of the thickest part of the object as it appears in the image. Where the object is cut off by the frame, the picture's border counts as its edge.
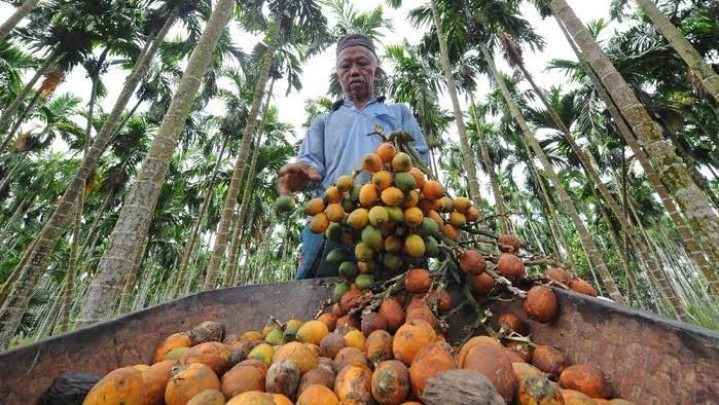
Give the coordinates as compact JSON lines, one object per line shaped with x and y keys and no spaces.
{"x":296,"y":177}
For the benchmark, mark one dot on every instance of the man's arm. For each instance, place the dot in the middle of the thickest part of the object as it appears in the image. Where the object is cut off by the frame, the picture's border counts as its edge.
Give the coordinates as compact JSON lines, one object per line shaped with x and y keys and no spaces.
{"x":309,"y":168}
{"x":312,"y":149}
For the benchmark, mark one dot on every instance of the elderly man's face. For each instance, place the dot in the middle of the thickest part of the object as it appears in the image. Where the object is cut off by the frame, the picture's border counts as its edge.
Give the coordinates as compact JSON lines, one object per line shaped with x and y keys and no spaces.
{"x":357,"y":71}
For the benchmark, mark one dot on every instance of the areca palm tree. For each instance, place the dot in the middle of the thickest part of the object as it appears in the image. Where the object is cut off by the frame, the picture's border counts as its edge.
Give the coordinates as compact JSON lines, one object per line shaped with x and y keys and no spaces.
{"x":514,"y":55}
{"x":72,"y":33}
{"x":481,"y":29}
{"x":8,"y":114}
{"x":37,"y":257}
{"x":699,"y":212}
{"x":693,"y":248}
{"x":469,"y":165}
{"x":16,"y":17}
{"x":57,"y":115}
{"x":459,"y":16}
{"x":13,"y":63}
{"x":480,"y":133}
{"x":286,"y":13}
{"x":517,"y":154}
{"x":584,"y":235}
{"x":128,"y":237}
{"x":274,"y":132}
{"x":683,"y":47}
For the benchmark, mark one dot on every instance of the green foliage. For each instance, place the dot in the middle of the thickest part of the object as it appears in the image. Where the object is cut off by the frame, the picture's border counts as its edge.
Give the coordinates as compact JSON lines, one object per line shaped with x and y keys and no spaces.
{"x":37,"y":167}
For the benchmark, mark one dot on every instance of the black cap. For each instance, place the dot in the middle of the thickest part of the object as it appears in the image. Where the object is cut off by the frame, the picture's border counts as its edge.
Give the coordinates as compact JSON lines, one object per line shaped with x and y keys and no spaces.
{"x":355,"y":40}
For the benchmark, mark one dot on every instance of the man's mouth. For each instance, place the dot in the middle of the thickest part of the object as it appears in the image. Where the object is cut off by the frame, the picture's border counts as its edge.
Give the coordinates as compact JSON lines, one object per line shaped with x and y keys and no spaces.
{"x":356,"y":82}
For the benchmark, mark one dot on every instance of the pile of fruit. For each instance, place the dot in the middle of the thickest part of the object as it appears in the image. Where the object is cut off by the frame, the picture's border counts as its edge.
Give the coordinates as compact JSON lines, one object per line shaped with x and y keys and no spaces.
{"x":319,"y":362}
{"x":410,"y":258}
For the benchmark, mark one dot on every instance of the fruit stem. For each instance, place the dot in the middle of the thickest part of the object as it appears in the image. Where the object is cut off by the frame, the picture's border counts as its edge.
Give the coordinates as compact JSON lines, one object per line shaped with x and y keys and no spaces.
{"x":379,"y":131}
{"x":505,"y":282}
{"x":516,"y":337}
{"x":479,"y":231}
{"x":389,"y":288}
{"x":557,"y":283}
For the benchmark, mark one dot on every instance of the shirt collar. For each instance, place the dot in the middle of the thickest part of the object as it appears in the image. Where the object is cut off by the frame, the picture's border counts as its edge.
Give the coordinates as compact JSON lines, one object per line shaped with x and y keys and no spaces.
{"x":344,"y":102}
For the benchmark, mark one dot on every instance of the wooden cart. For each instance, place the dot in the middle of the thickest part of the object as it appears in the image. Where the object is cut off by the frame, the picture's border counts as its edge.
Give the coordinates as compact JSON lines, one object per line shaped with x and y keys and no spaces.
{"x":647,"y":359}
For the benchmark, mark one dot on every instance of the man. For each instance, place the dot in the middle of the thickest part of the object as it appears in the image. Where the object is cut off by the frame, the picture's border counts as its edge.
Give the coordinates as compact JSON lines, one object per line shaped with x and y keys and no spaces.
{"x":337,"y":141}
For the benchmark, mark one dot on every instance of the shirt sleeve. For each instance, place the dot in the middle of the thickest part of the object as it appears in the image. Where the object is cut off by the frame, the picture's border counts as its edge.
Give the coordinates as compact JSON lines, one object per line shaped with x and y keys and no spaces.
{"x":409,"y":124}
{"x":312,"y":149}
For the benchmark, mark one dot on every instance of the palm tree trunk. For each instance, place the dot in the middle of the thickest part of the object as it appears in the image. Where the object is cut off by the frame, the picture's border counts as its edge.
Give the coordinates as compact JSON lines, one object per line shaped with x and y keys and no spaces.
{"x":66,"y":296}
{"x":433,"y":162}
{"x":36,"y":261}
{"x":95,"y":79}
{"x":133,"y":223}
{"x":623,"y":256}
{"x":715,"y":175}
{"x":50,"y":321}
{"x":590,"y":169}
{"x":11,"y":174}
{"x":6,"y":117}
{"x":690,"y":243}
{"x":504,"y":225}
{"x":537,"y":242}
{"x":93,"y":94}
{"x":11,"y":133}
{"x":15,"y":18}
{"x":467,"y":160}
{"x":684,"y":48}
{"x":231,"y":267}
{"x":701,"y":216}
{"x":550,"y":213}
{"x":657,"y":290}
{"x":129,"y":282}
{"x":128,"y":116}
{"x":620,"y":250}
{"x":144,"y":296}
{"x":189,"y":250}
{"x":249,"y":251}
{"x":228,"y":208}
{"x":19,"y":210}
{"x":586,"y":239}
{"x":692,"y":165}
{"x":89,"y":239}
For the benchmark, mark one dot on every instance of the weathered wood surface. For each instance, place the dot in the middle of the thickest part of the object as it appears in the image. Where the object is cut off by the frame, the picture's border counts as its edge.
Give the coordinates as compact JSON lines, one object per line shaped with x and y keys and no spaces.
{"x":647,"y":359}
{"x":26,"y":372}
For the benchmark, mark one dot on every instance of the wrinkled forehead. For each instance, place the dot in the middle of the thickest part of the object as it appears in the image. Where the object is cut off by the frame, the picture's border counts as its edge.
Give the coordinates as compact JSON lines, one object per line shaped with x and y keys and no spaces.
{"x":356,"y":52}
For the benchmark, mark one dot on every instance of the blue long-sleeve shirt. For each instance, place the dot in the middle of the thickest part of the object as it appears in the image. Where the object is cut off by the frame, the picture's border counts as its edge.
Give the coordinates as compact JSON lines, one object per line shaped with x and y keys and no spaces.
{"x":336,"y":142}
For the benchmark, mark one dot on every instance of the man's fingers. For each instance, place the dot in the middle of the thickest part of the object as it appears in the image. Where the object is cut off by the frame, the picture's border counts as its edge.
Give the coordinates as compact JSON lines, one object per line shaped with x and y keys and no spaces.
{"x":313,"y":174}
{"x":295,"y":176}
{"x":287,"y":169}
{"x":283,"y":186}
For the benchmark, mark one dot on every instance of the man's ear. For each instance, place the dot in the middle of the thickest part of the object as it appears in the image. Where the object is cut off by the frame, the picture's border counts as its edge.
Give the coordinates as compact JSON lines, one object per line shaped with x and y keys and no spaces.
{"x":379,"y":72}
